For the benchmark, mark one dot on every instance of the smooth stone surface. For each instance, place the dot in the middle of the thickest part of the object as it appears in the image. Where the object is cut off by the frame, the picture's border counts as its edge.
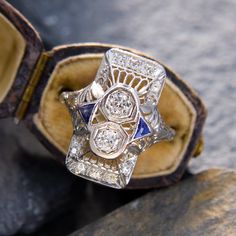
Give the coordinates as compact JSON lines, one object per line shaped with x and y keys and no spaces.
{"x":32,"y":188}
{"x":203,"y":205}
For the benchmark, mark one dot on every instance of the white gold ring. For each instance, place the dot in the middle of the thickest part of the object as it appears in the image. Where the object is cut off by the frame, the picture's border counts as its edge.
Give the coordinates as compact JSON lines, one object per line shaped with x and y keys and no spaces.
{"x":115,"y":118}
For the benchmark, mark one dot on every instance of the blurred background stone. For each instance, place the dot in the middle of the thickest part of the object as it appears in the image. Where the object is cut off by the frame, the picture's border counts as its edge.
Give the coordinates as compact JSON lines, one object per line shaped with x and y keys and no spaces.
{"x":32,"y":188}
{"x":196,"y":39}
{"x":203,"y":205}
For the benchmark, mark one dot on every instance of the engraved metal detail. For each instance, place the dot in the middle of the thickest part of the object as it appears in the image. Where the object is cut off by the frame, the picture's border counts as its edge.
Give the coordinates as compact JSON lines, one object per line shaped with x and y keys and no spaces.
{"x":115,"y":118}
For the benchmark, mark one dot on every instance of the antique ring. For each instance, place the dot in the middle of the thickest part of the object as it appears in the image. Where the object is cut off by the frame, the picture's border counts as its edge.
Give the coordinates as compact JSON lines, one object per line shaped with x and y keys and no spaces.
{"x":115,"y":118}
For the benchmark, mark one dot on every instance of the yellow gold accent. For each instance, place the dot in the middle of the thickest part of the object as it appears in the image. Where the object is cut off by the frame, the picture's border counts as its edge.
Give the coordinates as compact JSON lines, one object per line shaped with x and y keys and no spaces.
{"x":199,"y":148}
{"x":21,"y":110}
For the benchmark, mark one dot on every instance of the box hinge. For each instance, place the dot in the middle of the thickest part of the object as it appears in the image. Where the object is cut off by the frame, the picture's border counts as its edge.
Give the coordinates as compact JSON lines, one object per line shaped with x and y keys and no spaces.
{"x":199,"y":148}
{"x":28,"y":93}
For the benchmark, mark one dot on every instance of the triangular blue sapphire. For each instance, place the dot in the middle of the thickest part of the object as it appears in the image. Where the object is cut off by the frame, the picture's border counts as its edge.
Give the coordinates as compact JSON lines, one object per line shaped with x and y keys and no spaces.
{"x":86,"y":111}
{"x":143,"y":129}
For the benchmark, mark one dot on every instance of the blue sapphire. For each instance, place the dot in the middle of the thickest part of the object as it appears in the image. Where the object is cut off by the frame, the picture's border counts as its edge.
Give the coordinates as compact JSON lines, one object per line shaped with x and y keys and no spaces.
{"x":86,"y":111}
{"x":143,"y":129}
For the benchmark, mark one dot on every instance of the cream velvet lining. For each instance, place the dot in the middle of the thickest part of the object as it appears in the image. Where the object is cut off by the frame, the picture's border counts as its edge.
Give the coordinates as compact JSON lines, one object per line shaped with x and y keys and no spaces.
{"x":12,"y":47}
{"x":54,"y":121}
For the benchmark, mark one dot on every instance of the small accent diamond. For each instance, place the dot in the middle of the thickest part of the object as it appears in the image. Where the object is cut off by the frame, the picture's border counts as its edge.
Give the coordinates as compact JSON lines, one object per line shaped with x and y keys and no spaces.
{"x":136,"y":63}
{"x":95,"y":173}
{"x":80,"y":168}
{"x":73,"y":151}
{"x":111,"y":178}
{"x":156,"y":86}
{"x":127,"y":166}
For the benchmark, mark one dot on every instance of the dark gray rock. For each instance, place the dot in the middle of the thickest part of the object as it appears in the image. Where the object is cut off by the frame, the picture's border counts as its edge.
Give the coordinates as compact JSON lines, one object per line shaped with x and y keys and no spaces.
{"x":203,"y":205}
{"x":32,"y":188}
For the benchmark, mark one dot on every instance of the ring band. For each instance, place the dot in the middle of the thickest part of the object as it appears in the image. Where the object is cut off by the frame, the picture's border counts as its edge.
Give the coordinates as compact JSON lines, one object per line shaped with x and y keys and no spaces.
{"x":115,"y":118}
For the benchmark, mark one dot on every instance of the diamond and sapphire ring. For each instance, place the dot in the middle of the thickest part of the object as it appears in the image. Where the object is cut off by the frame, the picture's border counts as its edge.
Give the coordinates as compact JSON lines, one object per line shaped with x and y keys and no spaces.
{"x":115,"y":118}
